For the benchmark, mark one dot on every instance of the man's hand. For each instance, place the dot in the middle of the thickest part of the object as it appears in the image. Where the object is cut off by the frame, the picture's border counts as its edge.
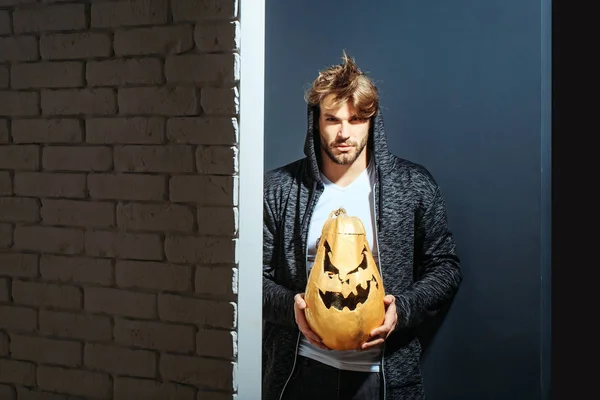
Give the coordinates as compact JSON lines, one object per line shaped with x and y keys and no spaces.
{"x":379,"y":335}
{"x":299,"y":306}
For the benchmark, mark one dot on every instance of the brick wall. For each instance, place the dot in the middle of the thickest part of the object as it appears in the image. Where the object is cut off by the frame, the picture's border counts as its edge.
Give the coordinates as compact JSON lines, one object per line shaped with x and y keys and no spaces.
{"x":118,"y":199}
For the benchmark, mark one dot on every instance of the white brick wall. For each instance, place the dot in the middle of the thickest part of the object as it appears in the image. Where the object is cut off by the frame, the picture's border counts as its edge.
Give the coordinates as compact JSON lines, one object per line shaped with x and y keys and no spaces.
{"x":119,"y":198}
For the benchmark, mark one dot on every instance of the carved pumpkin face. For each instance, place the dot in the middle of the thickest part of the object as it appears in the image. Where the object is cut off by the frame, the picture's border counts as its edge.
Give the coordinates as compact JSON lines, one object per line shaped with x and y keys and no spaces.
{"x":344,"y":293}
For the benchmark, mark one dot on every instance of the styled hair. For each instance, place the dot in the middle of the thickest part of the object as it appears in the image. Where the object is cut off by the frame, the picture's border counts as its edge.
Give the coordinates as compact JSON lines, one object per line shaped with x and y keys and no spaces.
{"x":349,"y":84}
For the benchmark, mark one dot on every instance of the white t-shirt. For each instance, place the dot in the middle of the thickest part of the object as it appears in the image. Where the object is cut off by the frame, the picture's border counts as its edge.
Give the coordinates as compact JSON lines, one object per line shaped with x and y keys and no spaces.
{"x":357,"y":200}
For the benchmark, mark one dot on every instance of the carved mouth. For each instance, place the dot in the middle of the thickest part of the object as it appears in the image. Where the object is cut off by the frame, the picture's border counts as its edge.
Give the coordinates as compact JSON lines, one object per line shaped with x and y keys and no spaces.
{"x":338,"y":301}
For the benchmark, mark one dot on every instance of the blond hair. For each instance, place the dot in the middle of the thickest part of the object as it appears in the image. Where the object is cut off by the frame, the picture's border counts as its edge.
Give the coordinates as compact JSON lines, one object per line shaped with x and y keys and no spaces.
{"x":348,"y":83}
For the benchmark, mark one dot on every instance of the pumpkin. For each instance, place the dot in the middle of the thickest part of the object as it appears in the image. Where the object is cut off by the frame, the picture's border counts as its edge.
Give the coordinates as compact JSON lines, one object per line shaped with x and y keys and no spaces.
{"x":344,"y":291}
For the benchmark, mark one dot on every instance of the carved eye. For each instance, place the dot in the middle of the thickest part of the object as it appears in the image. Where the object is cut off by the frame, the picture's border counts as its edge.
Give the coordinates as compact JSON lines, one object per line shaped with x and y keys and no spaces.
{"x":363,"y":264}
{"x":328,"y":267}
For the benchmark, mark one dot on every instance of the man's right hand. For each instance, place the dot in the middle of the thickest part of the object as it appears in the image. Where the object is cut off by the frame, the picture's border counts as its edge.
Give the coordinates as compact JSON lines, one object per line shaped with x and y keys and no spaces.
{"x":299,"y":306}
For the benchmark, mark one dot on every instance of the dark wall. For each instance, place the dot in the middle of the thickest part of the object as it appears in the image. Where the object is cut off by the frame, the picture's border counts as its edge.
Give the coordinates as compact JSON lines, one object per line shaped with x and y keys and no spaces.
{"x":464,"y":91}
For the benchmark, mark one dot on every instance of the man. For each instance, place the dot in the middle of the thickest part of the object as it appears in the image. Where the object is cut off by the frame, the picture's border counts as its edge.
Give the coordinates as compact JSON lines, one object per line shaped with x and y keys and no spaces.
{"x":348,"y":165}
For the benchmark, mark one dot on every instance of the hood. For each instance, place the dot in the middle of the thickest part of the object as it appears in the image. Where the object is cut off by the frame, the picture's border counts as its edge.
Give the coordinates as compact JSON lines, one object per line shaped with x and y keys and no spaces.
{"x":377,"y":142}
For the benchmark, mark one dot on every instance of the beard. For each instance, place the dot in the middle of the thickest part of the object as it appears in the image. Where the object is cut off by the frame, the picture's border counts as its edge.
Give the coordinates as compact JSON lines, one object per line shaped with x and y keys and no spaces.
{"x":346,"y":157}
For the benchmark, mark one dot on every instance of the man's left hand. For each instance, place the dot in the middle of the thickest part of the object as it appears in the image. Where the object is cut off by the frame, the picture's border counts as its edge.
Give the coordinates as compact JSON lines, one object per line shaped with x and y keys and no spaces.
{"x":379,"y":335}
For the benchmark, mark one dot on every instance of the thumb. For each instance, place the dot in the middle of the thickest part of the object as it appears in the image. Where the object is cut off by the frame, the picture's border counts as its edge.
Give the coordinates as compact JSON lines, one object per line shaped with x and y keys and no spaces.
{"x":299,"y":298}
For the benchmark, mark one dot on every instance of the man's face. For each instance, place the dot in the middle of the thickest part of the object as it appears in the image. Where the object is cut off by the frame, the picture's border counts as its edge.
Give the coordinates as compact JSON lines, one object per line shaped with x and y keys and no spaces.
{"x":343,"y":134}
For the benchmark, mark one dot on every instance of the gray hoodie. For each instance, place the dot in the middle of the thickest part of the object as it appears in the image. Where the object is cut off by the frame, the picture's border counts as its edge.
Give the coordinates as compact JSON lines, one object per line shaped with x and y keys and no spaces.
{"x":417,"y":256}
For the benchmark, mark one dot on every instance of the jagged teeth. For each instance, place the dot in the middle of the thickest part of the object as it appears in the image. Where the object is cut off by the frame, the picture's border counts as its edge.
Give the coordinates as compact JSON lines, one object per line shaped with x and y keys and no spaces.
{"x":346,"y":290}
{"x":364,"y":284}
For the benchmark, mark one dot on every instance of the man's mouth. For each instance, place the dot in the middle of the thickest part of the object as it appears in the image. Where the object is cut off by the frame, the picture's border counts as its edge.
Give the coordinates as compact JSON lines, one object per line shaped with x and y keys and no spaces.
{"x":343,"y":146}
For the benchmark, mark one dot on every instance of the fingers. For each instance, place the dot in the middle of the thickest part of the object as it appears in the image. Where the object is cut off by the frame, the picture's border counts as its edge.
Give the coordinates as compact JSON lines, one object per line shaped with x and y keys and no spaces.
{"x":382,"y":331}
{"x":389,"y":323}
{"x":312,"y":337}
{"x":372,"y":343}
{"x":379,"y":334}
{"x":306,"y":331}
{"x":318,"y":344}
{"x":299,"y":306}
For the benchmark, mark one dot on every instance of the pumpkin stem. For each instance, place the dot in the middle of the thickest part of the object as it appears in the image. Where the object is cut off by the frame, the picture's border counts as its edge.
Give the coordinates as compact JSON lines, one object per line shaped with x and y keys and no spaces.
{"x":337,"y":212}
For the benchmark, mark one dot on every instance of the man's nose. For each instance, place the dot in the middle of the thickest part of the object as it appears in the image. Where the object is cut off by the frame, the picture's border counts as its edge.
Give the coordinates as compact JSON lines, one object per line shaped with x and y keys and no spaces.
{"x":344,"y":131}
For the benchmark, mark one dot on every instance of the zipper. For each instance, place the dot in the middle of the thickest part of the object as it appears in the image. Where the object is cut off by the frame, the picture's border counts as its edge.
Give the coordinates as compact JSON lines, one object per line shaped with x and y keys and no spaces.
{"x":305,"y":230}
{"x":377,"y":206}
